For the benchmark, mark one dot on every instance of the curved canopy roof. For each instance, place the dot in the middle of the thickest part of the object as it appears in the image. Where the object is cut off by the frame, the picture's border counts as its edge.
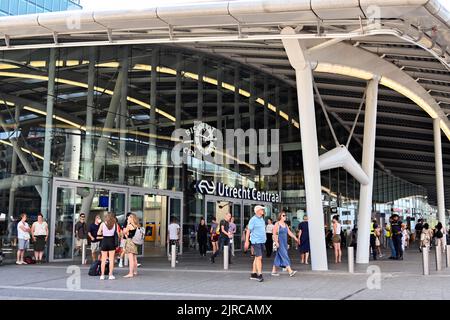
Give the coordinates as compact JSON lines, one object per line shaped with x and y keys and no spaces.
{"x":408,"y":38}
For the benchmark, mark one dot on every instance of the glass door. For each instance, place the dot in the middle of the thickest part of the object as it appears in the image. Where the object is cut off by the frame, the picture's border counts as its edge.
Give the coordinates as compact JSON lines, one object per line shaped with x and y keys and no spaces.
{"x":63,"y":223}
{"x":237,"y":214}
{"x":117,"y":205}
{"x":175,"y":211}
{"x":136,"y":206}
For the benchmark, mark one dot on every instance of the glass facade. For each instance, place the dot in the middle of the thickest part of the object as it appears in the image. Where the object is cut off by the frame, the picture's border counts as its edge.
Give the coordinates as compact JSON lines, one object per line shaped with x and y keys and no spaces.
{"x":19,"y":7}
{"x":110,"y":144}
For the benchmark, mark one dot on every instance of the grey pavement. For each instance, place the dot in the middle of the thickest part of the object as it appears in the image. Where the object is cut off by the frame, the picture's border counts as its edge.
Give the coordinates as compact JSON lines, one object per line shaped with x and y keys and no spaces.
{"x":196,"y":278}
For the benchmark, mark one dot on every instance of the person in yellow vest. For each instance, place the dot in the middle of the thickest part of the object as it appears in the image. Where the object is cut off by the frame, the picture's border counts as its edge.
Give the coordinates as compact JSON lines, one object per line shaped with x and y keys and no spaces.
{"x":373,"y":238}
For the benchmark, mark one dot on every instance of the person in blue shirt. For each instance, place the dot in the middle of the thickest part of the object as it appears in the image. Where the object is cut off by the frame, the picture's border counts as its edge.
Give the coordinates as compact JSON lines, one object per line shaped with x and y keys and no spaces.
{"x":256,"y":233}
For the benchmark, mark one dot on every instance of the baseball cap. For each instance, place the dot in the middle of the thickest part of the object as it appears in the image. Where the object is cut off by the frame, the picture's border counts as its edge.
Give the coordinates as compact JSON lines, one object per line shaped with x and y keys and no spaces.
{"x":258,"y":207}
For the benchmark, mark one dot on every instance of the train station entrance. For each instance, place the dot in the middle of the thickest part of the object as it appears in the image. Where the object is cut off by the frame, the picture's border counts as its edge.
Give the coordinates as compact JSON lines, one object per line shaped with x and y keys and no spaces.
{"x":70,"y":198}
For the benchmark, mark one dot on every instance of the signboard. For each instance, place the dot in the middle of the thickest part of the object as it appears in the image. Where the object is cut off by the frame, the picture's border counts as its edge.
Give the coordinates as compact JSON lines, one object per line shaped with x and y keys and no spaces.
{"x":222,"y":190}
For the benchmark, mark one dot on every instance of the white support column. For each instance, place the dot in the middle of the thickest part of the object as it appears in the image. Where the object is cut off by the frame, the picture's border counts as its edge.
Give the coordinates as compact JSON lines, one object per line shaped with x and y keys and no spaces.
{"x":310,"y":152}
{"x":48,"y":133}
{"x":365,"y":196}
{"x":439,"y":170}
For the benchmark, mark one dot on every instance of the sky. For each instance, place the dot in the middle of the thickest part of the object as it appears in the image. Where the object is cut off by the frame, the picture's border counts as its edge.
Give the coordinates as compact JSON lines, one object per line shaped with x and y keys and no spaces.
{"x":129,"y":4}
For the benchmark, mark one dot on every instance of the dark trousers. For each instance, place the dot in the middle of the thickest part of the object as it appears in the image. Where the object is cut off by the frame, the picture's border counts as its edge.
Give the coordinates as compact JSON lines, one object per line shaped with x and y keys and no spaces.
{"x":202,"y":246}
{"x":397,"y":241}
{"x":269,"y":244}
{"x":223,"y":241}
{"x":373,"y":247}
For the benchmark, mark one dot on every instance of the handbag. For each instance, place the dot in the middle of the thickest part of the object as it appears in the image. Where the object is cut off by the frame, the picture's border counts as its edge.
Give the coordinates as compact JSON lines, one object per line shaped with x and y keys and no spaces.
{"x":116,"y":237}
{"x":377,"y":242}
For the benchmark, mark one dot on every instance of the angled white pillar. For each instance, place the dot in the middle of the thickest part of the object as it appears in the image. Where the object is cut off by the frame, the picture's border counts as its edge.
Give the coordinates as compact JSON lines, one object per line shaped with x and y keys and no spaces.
{"x":439,"y":170}
{"x":48,"y":139}
{"x":368,"y":157}
{"x":87,"y":146}
{"x":122,"y":116}
{"x":310,"y":152}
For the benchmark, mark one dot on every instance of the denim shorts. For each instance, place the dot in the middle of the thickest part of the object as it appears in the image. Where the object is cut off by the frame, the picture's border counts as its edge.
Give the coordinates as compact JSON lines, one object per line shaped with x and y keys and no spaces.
{"x":24,"y":244}
{"x":258,"y":249}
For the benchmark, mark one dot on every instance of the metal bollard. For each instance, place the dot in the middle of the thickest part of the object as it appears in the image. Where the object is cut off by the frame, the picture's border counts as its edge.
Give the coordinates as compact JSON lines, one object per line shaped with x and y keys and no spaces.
{"x":226,"y":254}
{"x":83,"y":254}
{"x":173,"y":255}
{"x":438,"y":257}
{"x":351,"y":259}
{"x":426,"y":266}
{"x":448,"y":255}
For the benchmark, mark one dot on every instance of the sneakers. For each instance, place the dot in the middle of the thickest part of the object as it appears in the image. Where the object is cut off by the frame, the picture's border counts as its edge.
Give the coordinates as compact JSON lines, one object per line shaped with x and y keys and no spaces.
{"x":292,"y":273}
{"x":120,"y":264}
{"x":102,"y":277}
{"x":111,"y":277}
{"x":275,"y":274}
{"x":138,"y":265}
{"x":18,"y":262}
{"x":256,"y":277}
{"x":212,"y":260}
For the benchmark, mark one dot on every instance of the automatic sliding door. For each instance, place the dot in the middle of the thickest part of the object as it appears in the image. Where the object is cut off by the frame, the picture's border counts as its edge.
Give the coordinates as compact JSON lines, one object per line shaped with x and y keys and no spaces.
{"x":62,"y":240}
{"x":117,"y":205}
{"x":136,"y":206}
{"x":175,"y":211}
{"x":237,"y":214}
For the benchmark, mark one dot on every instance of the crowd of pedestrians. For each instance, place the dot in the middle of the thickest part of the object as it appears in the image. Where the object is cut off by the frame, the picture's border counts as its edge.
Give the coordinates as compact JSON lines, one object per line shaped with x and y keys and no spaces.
{"x":261,"y":237}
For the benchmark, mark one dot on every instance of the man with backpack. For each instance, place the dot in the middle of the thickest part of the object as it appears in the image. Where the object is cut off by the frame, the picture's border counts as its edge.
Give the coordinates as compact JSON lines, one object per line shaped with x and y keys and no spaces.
{"x":439,"y":236}
{"x":174,"y":237}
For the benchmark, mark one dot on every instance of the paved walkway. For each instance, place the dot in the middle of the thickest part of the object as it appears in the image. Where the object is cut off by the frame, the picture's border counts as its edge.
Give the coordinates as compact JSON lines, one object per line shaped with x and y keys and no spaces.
{"x":196,"y":278}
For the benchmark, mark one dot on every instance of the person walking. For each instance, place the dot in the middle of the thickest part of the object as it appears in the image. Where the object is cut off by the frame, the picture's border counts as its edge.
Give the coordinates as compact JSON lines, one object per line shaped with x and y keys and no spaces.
{"x":174,"y":237}
{"x":81,"y":232}
{"x":280,"y":237}
{"x":108,"y":233}
{"x":130,"y":247}
{"x":439,"y":235}
{"x":405,"y":237}
{"x":214,"y":232}
{"x":373,"y":247}
{"x":202,"y":237}
{"x":269,"y":237}
{"x":396,"y":227}
{"x":390,"y":243}
{"x":303,"y":240}
{"x":256,"y":233}
{"x":92,"y":234}
{"x":425,"y":237}
{"x":39,"y":232}
{"x":23,"y":235}
{"x":418,"y":229}
{"x":336,"y":239}
{"x":224,"y":237}
{"x":232,"y":230}
{"x":378,"y":241}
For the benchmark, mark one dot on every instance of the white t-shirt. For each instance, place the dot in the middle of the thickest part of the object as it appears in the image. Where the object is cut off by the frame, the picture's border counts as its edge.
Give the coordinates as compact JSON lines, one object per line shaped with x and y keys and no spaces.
{"x":22,"y":234}
{"x":269,"y":228}
{"x":173,"y":231}
{"x":40,"y":229}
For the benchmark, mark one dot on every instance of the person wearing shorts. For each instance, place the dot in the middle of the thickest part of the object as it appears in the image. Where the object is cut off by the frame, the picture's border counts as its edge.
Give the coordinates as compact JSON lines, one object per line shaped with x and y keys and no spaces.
{"x":256,"y":233}
{"x":23,"y":234}
{"x":92,"y":234}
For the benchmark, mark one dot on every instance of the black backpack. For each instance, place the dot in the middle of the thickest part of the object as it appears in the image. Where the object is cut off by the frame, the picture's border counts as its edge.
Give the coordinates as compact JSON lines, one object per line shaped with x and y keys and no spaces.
{"x":96,"y":268}
{"x":439,"y":234}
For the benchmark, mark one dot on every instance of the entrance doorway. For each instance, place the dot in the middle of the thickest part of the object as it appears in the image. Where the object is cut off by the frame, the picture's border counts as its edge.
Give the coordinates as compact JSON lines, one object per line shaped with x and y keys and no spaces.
{"x":70,"y":198}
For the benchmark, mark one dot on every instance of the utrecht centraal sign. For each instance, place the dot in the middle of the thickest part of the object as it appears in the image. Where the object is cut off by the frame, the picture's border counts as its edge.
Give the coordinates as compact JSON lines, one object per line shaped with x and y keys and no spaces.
{"x":251,"y":147}
{"x":220,"y":189}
